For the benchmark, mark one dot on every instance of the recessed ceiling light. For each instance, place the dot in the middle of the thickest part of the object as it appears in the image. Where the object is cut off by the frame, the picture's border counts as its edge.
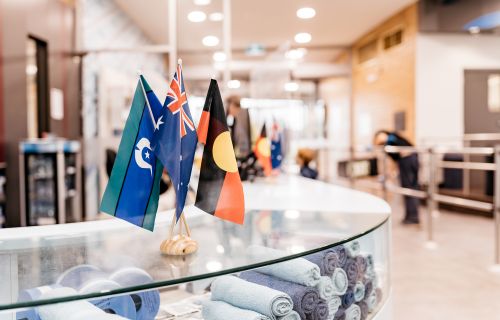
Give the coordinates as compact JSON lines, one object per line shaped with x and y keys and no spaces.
{"x":197,"y":16}
{"x":291,"y":86}
{"x":233,"y":84}
{"x":474,"y":30}
{"x":219,"y":56}
{"x":216,"y":16}
{"x":202,"y":2}
{"x":303,"y":37}
{"x":295,"y":54}
{"x":210,"y":41}
{"x":306,"y":13}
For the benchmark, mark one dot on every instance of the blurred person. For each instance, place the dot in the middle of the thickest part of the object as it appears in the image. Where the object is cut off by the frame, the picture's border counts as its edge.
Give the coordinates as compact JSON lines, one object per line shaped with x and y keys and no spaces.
{"x":408,"y":170}
{"x":304,"y":159}
{"x":238,"y":120}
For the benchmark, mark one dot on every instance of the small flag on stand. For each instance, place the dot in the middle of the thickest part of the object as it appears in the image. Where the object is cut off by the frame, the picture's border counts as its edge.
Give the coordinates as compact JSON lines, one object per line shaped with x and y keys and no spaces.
{"x":262,"y":151}
{"x":175,"y":139}
{"x":133,"y":189}
{"x":276,"y":153}
{"x":220,"y":191}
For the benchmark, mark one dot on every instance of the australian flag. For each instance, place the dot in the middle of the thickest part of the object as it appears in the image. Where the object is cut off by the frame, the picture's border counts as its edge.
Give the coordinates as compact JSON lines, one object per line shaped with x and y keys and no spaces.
{"x":175,"y":139}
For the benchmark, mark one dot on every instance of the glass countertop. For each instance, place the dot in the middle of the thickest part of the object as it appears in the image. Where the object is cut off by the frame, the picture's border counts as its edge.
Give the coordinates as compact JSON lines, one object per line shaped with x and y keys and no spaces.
{"x":41,"y":258}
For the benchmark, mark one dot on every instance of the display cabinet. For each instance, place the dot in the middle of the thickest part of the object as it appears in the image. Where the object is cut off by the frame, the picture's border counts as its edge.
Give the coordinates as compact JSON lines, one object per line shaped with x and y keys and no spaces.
{"x":281,"y":264}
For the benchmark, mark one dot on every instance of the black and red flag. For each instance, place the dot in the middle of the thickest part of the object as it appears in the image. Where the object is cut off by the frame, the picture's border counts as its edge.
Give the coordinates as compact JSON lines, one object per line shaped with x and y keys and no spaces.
{"x":262,"y":151}
{"x":220,"y":191}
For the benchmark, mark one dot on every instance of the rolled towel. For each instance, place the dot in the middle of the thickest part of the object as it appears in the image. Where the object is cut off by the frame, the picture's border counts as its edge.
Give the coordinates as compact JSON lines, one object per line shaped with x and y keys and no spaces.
{"x":219,"y":310}
{"x":326,"y":260}
{"x":333,"y":306}
{"x":341,"y":254}
{"x":359,"y":291}
{"x":340,"y":282}
{"x":325,"y":288}
{"x":297,"y":270}
{"x":340,"y":315}
{"x":364,"y":310}
{"x":291,"y":316}
{"x":379,"y":295}
{"x":353,"y":313}
{"x":362,"y":265}
{"x":352,"y":271}
{"x":248,"y":295}
{"x":371,"y":301}
{"x":352,"y":248}
{"x":320,"y":312}
{"x":370,"y":264}
{"x":304,"y":298}
{"x":368,"y":286}
{"x":348,"y":299}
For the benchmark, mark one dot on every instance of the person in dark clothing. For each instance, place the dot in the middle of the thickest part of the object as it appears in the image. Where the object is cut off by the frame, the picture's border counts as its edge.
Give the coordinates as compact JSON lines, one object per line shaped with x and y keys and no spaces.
{"x":408,"y":170}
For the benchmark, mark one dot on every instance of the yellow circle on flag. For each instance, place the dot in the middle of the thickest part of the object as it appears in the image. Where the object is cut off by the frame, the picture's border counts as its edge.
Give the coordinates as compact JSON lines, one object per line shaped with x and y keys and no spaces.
{"x":223,"y":153}
{"x":264,"y":147}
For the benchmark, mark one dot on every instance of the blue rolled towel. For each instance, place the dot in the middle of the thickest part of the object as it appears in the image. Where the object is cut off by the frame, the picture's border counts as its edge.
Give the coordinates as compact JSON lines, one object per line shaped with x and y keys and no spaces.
{"x":340,"y":281}
{"x":364,"y":310}
{"x":352,"y":248}
{"x":353,"y":313}
{"x":341,"y":255}
{"x":352,"y":271}
{"x":247,"y":295}
{"x":320,"y":312}
{"x":304,"y":298}
{"x":297,"y":270}
{"x":348,"y":299}
{"x":359,"y":291}
{"x":291,"y":316}
{"x":325,"y":288}
{"x":220,"y":310}
{"x":333,"y":306}
{"x":326,"y":260}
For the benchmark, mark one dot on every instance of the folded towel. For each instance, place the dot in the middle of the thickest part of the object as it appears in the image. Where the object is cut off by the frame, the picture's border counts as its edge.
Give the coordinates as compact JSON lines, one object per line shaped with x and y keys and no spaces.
{"x":326,"y":260}
{"x":340,"y":282}
{"x":333,"y":306}
{"x":359,"y":291}
{"x":371,"y":301}
{"x":291,"y":316}
{"x":297,"y":270}
{"x":341,"y":254}
{"x":304,"y":298}
{"x":362,"y":263}
{"x":364,"y":310}
{"x":352,"y":248}
{"x":340,"y":315}
{"x":320,"y":312}
{"x":325,"y":288}
{"x":247,"y":295}
{"x":348,"y":299}
{"x":219,"y":310}
{"x":352,"y":271}
{"x":353,"y":313}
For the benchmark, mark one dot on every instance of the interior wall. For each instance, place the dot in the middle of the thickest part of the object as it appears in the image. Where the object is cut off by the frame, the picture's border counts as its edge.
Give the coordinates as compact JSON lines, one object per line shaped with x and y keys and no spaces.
{"x":440,"y":63}
{"x":20,"y":19}
{"x":384,"y":85}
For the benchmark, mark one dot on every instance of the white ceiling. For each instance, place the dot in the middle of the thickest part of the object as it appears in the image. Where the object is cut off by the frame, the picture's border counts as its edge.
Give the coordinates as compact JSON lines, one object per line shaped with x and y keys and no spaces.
{"x":268,"y":22}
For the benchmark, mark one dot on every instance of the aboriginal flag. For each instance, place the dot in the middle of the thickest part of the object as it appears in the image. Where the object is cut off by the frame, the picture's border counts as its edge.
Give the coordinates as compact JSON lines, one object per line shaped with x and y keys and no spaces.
{"x":220,"y":191}
{"x":262,"y":151}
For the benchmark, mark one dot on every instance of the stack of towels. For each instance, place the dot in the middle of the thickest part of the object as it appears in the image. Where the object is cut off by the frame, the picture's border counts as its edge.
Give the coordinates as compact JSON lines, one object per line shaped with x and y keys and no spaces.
{"x":337,"y":283}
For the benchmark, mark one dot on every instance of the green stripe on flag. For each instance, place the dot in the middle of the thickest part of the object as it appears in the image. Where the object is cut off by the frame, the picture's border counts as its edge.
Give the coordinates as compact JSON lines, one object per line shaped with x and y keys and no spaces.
{"x":112,"y":193}
{"x":149,"y":218}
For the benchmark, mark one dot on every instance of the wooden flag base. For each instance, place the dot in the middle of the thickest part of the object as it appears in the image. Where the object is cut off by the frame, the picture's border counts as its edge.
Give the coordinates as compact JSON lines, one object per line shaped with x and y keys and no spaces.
{"x":179,"y":245}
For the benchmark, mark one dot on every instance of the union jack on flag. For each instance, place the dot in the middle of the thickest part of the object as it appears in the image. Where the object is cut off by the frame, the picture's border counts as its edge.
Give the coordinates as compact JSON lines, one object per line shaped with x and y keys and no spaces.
{"x":177,"y":101}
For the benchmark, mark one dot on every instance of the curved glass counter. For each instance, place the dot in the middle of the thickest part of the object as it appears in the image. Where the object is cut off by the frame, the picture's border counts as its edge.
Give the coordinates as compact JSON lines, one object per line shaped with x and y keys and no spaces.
{"x":111,"y":260}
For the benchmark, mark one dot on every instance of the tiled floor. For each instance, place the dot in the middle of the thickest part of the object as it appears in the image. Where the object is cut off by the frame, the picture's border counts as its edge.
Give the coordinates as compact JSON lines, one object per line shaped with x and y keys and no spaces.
{"x":451,"y":282}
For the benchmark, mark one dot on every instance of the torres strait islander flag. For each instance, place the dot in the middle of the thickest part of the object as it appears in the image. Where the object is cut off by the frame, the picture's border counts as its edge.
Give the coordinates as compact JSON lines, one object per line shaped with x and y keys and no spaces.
{"x":133,"y":187}
{"x":262,"y":151}
{"x":220,"y":191}
{"x":175,"y":139}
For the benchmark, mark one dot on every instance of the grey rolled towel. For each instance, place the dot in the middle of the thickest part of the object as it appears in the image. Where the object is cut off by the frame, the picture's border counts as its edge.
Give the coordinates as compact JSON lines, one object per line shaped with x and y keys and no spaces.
{"x":340,"y":315}
{"x":364,"y":310}
{"x":368,"y":286}
{"x":333,"y":306}
{"x":297,"y":270}
{"x":352,"y":270}
{"x":291,"y":316}
{"x":304,"y":298}
{"x":352,"y":248}
{"x":326,"y":260}
{"x":220,"y":310}
{"x":359,"y":291}
{"x":340,"y":281}
{"x":353,"y":313}
{"x":341,"y":254}
{"x":320,"y":312}
{"x":250,"y":296}
{"x":326,"y":288}
{"x":362,"y":265}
